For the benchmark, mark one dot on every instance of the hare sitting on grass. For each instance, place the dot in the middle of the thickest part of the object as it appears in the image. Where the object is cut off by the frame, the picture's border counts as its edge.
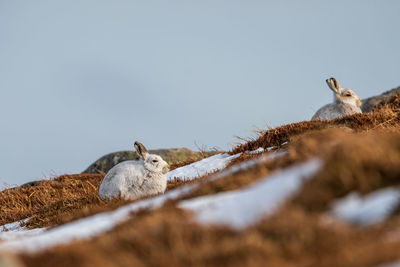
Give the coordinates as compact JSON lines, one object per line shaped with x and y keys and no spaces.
{"x":346,"y":102}
{"x":135,"y":179}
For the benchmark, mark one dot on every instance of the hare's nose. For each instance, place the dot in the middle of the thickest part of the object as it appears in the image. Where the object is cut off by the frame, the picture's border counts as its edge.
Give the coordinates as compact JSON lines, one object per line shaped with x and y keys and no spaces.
{"x":165,"y":169}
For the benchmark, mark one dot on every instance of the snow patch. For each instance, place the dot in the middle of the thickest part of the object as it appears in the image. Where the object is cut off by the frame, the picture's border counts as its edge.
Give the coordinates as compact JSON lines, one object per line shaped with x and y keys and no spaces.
{"x":14,"y":230}
{"x":243,"y":207}
{"x":248,"y":164}
{"x":13,"y":235}
{"x":15,"y":226}
{"x":372,"y":208}
{"x":84,"y":228}
{"x":202,"y":167}
{"x":257,"y":151}
{"x":18,"y":239}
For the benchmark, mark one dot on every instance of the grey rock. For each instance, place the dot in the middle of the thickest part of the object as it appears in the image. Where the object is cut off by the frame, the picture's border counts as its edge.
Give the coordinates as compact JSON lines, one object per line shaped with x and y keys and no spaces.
{"x":32,"y":183}
{"x":171,"y":156}
{"x":369,"y":103}
{"x":25,"y":185}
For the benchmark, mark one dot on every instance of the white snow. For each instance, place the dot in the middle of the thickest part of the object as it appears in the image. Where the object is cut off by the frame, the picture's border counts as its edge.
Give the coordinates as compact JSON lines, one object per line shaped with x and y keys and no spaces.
{"x":91,"y":226}
{"x":12,"y":235}
{"x":15,"y":230}
{"x":18,"y":239}
{"x":248,"y":164}
{"x":372,"y":208}
{"x":257,"y":151}
{"x":202,"y":167}
{"x":261,"y":150}
{"x":243,"y":207}
{"x":15,"y":226}
{"x":87,"y":227}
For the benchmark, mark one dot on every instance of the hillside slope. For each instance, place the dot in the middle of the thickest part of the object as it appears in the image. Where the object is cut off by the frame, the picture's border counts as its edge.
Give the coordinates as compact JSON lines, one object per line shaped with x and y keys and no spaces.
{"x":313,"y":193}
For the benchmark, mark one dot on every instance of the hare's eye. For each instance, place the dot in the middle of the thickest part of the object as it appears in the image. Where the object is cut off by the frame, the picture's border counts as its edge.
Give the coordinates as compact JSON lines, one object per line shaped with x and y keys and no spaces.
{"x":348,"y":94}
{"x":155,"y":160}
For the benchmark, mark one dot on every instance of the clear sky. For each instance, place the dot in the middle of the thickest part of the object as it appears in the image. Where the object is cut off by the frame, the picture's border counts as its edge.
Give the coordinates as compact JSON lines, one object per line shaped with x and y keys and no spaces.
{"x":79,"y":79}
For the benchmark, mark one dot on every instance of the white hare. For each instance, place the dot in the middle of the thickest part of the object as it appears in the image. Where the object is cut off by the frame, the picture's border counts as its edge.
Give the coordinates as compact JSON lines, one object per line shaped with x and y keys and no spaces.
{"x":346,"y":102}
{"x":135,"y":179}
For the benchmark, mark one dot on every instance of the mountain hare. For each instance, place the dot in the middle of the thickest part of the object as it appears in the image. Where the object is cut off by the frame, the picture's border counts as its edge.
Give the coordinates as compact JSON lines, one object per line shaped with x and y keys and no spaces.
{"x":135,"y":179}
{"x":346,"y":102}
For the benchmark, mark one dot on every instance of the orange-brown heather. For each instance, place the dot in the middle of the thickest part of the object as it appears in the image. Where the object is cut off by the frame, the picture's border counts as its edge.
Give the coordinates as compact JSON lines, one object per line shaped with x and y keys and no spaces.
{"x":359,"y":153}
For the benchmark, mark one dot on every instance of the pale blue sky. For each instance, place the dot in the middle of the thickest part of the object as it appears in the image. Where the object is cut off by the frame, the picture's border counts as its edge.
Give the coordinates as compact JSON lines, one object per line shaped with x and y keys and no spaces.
{"x":80,"y":79}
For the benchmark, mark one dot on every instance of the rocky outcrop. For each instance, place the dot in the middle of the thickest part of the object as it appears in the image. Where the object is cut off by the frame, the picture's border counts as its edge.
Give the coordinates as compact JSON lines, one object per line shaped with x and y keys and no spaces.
{"x":369,"y":103}
{"x":171,"y":156}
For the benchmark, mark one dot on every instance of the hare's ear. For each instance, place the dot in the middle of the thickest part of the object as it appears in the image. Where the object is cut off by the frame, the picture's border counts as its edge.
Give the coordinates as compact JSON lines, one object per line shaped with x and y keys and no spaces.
{"x":334,"y":85}
{"x":141,"y":150}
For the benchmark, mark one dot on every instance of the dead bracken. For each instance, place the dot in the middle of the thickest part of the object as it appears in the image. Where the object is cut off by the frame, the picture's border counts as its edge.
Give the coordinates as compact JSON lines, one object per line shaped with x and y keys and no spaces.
{"x":360,"y":153}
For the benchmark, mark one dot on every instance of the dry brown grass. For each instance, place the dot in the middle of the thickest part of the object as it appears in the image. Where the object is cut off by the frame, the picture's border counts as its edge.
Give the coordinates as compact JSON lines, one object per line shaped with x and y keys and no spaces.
{"x":296,"y":236}
{"x":384,"y":116}
{"x":168,"y":237}
{"x":360,"y":162}
{"x":42,"y":203}
{"x":63,"y":199}
{"x":60,"y":200}
{"x":70,"y":197}
{"x":360,"y":153}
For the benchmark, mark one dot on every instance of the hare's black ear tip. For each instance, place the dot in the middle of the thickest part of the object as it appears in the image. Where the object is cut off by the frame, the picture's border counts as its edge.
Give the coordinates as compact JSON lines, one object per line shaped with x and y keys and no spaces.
{"x":137,"y":143}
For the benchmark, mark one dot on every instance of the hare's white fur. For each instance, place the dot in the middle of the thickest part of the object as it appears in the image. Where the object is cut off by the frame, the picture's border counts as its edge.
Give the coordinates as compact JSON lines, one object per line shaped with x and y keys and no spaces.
{"x":136,"y":179}
{"x":346,"y":102}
